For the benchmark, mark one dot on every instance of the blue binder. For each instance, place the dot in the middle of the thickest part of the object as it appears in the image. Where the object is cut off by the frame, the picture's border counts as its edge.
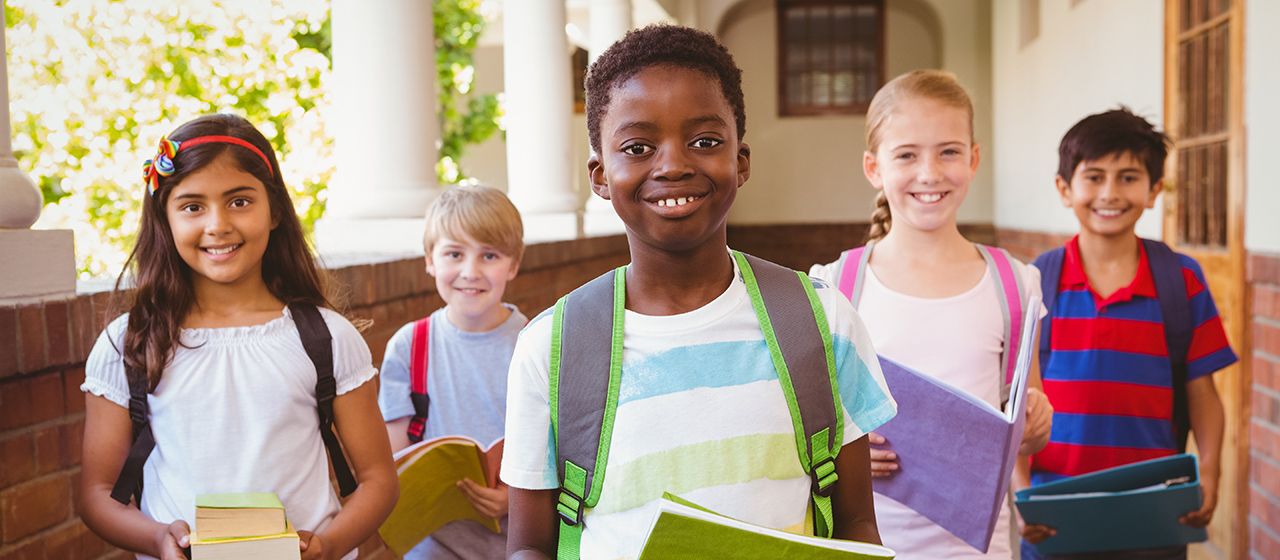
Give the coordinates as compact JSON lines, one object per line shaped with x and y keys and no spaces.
{"x":1127,"y":507}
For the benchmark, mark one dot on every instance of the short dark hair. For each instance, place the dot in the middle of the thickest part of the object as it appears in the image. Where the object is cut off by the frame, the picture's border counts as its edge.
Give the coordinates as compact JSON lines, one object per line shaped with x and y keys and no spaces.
{"x":1115,"y":132}
{"x":661,"y":45}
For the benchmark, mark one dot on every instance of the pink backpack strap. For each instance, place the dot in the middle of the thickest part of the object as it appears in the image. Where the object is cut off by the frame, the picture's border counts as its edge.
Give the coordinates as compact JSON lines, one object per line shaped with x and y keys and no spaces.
{"x":1009,"y":292}
{"x":853,"y":266}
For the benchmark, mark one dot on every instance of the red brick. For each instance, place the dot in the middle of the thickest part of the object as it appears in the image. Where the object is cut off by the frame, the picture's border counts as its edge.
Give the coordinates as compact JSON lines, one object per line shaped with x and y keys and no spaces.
{"x":1266,"y":338}
{"x":72,"y":436}
{"x":1265,"y":371}
{"x":1266,"y":474}
{"x":15,"y":403}
{"x":47,"y":397}
{"x":81,"y":315}
{"x":73,"y":541}
{"x":103,"y":312}
{"x":1263,"y":543}
{"x":48,"y":450}
{"x":1266,"y":301}
{"x":1264,"y":508}
{"x":57,"y":327}
{"x":31,"y":334}
{"x":72,"y":379}
{"x":8,"y":341}
{"x":1264,"y":268}
{"x":17,"y":460}
{"x":34,"y":506}
{"x":33,"y":550}
{"x":1264,"y":439}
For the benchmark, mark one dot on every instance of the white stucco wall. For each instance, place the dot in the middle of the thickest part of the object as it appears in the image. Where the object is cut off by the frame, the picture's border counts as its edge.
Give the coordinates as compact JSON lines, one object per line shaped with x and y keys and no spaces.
{"x":809,"y":169}
{"x":1090,"y":56}
{"x":1262,"y":126}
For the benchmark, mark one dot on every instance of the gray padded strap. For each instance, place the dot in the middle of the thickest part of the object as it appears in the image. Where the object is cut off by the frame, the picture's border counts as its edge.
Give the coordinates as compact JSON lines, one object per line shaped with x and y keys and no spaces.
{"x":800,"y":341}
{"x":584,"y":370}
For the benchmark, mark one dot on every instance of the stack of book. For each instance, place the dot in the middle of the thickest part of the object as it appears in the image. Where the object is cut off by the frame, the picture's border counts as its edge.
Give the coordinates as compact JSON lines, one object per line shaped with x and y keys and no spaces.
{"x":242,"y":526}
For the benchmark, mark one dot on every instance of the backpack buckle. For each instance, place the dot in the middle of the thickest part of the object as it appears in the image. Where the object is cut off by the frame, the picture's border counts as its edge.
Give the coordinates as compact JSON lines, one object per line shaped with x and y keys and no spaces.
{"x":823,"y":476}
{"x":569,"y":506}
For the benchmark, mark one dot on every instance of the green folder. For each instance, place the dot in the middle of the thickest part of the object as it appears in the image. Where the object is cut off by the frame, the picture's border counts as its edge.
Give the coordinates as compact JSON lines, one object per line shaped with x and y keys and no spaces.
{"x":683,"y":530}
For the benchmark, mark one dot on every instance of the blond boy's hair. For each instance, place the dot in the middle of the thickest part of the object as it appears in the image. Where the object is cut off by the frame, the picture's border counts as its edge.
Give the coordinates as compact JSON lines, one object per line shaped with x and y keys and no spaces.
{"x":481,"y":213}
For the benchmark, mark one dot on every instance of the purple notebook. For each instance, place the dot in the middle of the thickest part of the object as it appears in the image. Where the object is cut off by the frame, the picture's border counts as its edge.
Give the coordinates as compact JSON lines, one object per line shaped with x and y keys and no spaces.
{"x":956,"y":453}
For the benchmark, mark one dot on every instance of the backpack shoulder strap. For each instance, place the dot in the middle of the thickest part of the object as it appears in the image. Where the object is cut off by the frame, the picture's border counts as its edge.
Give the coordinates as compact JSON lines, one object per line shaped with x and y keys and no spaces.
{"x":1171,"y":290}
{"x":418,"y":369}
{"x":318,"y":343}
{"x":129,"y":482}
{"x":1009,"y":291}
{"x":799,"y":339}
{"x":853,"y":267}
{"x":585,"y":374}
{"x":1050,"y":265}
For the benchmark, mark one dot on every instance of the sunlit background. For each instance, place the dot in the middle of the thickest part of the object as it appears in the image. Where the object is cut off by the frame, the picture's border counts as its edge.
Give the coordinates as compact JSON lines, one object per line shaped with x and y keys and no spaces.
{"x":93,"y":85}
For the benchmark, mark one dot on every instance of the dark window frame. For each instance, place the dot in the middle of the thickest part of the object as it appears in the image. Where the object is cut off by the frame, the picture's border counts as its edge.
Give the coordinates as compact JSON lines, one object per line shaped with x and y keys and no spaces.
{"x":857,"y":107}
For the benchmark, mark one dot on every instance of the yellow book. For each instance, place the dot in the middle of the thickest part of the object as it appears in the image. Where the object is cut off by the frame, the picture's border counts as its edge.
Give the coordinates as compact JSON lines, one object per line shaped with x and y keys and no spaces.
{"x":283,"y":546}
{"x":429,"y":497}
{"x":223,"y":516}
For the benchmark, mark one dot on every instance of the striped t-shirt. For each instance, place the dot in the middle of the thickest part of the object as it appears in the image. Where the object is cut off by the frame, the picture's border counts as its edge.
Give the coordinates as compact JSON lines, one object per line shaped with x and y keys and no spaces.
{"x":701,"y":414}
{"x":1109,"y":376}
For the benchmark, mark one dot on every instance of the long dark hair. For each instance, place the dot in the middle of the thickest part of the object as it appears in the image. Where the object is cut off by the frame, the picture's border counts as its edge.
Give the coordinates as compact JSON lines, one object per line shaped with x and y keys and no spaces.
{"x":162,"y":293}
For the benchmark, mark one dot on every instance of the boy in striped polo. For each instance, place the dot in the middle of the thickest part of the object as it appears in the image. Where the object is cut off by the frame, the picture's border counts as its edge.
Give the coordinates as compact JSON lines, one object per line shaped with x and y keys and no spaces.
{"x":1109,"y":373}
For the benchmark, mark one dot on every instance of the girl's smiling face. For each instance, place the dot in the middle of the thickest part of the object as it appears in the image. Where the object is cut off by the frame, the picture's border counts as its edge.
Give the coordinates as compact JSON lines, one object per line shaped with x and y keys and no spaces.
{"x":670,"y":160}
{"x":924,"y":163}
{"x":221,"y":222}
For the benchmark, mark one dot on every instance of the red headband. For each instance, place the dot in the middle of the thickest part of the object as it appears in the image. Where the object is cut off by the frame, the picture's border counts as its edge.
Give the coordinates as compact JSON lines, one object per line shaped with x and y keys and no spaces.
{"x":162,"y":164}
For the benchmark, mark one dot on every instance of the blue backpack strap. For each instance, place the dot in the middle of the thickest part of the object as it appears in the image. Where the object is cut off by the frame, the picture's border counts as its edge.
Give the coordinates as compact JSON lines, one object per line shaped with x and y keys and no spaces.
{"x":419,"y":352}
{"x":586,"y":350}
{"x":1050,"y":265}
{"x":800,"y":346}
{"x":853,"y":269}
{"x":1171,"y":290}
{"x":318,"y":343}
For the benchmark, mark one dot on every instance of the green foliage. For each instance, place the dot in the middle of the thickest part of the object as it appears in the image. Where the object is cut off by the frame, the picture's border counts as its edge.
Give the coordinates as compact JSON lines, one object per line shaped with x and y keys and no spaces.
{"x":95,"y":83}
{"x":458,"y":25}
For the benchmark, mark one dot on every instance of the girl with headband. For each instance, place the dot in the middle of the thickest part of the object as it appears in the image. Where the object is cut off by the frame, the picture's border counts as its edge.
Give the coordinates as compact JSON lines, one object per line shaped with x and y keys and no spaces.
{"x":219,"y":345}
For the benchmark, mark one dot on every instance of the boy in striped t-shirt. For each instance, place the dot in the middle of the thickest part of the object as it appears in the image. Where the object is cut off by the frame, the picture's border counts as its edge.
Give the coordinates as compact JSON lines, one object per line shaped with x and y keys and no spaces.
{"x":1109,"y":373}
{"x":700,"y":410}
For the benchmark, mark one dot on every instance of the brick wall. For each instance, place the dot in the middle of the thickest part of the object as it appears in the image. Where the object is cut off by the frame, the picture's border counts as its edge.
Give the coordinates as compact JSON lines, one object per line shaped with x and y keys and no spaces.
{"x":43,"y":349}
{"x":1262,"y":357}
{"x":1027,"y":245}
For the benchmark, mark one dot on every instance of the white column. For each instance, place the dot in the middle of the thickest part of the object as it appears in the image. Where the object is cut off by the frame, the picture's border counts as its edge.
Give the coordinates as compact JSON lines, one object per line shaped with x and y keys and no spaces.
{"x":385,"y":127}
{"x":35,"y":265}
{"x":538,"y":118}
{"x":610,"y":20}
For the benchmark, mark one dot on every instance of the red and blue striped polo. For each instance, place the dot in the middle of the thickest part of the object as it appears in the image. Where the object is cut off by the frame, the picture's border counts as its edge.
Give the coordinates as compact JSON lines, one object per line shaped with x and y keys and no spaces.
{"x":1109,"y":376}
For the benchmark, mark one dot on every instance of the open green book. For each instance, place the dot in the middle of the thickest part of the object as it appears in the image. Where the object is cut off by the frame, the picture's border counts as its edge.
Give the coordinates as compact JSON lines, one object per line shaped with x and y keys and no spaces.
{"x":683,"y":530}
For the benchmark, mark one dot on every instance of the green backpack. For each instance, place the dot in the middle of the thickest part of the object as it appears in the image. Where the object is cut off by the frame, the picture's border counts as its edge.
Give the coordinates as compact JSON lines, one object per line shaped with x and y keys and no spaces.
{"x":584,"y":399}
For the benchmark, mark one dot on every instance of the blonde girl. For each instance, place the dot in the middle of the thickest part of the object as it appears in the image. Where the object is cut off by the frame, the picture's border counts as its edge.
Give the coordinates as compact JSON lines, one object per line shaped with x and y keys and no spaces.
{"x":928,"y":298}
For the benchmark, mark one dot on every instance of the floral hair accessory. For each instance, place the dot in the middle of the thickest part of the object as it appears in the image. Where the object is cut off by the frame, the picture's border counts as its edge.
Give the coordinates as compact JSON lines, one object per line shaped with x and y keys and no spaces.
{"x":162,"y":165}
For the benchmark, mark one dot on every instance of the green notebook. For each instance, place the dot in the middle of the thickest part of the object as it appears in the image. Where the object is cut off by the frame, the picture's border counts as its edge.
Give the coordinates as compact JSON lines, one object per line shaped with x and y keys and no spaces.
{"x":683,"y":530}
{"x":228,"y":516}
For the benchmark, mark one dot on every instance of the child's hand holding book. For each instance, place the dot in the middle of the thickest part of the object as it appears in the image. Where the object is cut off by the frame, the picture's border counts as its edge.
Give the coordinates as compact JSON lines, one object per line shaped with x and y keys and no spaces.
{"x":489,"y":502}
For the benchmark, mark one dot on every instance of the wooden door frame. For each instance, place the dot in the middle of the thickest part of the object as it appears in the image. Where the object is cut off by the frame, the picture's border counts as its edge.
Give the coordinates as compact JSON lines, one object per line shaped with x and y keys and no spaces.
{"x":1235,"y":386}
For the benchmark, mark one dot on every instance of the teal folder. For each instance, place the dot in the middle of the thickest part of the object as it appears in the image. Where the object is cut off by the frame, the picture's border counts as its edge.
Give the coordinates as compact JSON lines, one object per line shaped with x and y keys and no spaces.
{"x":1127,"y":507}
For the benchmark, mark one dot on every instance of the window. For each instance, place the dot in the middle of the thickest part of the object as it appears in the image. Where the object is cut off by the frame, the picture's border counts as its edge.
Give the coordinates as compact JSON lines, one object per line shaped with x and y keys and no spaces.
{"x":830,"y":55}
